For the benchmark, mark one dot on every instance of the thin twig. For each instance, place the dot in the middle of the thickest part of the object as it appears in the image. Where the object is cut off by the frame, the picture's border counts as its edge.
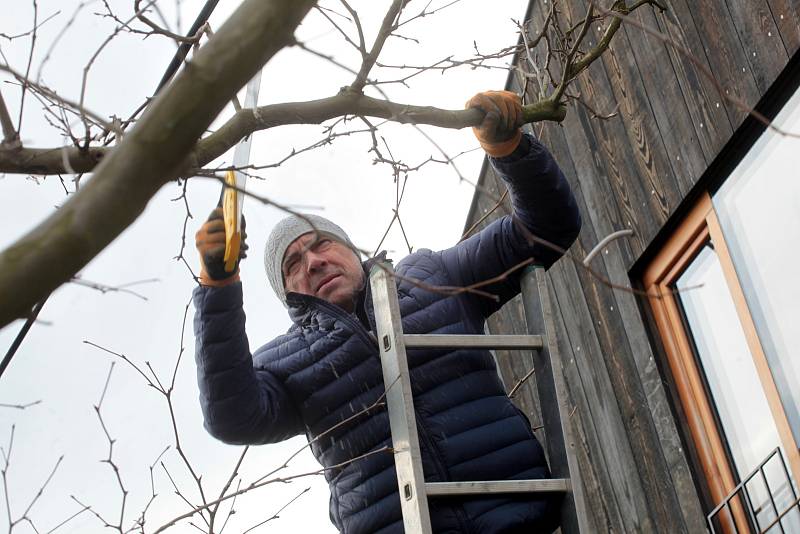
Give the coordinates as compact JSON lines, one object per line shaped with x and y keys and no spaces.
{"x":30,"y":61}
{"x":484,"y":217}
{"x":388,"y":25}
{"x":521,"y":382}
{"x":156,"y":29}
{"x":103,"y":288}
{"x":58,"y":37}
{"x":68,"y":519}
{"x":10,"y":135}
{"x":20,"y":406}
{"x":277,"y":514}
{"x":251,"y":487}
{"x":213,"y":511}
{"x":29,"y":32}
{"x":25,"y":516}
{"x":22,"y":79}
{"x":567,"y":73}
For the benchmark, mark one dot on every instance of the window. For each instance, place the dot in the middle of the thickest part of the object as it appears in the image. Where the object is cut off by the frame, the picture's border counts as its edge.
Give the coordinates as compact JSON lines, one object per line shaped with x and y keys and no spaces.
{"x":726,"y":300}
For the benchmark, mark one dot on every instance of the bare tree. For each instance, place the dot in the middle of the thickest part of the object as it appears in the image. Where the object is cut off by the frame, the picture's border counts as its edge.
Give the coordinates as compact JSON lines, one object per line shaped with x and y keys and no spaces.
{"x":168,"y":141}
{"x":192,"y":499}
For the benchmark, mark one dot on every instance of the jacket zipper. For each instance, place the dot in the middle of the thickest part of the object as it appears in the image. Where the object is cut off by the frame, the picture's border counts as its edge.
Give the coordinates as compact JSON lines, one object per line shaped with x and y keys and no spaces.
{"x":422,"y":432}
{"x":361,"y":331}
{"x":438,"y":464}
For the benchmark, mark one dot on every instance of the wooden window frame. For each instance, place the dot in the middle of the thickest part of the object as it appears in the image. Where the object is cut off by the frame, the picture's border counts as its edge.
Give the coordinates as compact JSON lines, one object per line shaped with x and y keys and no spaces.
{"x":699,"y":226}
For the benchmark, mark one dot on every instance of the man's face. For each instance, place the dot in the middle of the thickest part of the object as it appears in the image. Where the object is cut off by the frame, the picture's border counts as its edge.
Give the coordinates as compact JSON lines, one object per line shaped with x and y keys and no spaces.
{"x":324,"y":268}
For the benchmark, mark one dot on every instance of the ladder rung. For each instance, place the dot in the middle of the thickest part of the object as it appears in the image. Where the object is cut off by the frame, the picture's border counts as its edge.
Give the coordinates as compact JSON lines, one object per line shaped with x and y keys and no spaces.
{"x":479,"y":341}
{"x":497,"y":486}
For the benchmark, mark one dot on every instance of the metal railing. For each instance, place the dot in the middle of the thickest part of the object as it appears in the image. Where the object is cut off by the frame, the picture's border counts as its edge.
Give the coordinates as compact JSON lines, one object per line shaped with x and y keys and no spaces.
{"x":741,"y":490}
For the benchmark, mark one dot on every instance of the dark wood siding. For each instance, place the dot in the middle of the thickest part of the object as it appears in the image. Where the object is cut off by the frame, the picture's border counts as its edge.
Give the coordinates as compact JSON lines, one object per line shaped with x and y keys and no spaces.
{"x":633,"y":171}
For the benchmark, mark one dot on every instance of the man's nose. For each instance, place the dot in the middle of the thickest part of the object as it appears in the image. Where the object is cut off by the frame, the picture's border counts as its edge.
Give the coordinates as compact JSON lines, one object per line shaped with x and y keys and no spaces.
{"x":314,"y":261}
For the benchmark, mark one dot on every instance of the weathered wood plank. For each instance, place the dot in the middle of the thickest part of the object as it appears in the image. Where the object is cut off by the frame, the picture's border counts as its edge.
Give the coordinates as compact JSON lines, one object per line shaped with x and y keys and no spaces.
{"x":598,"y":484}
{"x":725,"y":54}
{"x":632,"y":398}
{"x":632,"y":171}
{"x":593,"y":382}
{"x":786,"y":14}
{"x":653,"y":69}
{"x":673,"y":469}
{"x":610,"y":148}
{"x":644,"y":439}
{"x":712,"y":124}
{"x":645,"y":145}
{"x":645,"y":183}
{"x":598,"y":488}
{"x":759,"y":34}
{"x":628,"y":391}
{"x":515,"y":365}
{"x":666,"y":512}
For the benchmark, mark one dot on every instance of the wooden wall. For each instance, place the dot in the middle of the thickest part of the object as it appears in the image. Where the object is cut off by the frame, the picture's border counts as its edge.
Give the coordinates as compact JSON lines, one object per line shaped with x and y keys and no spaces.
{"x":633,"y":171}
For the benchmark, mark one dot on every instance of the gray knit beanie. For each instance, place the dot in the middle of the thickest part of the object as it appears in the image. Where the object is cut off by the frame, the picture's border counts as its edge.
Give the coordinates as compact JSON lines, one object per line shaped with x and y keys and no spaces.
{"x":284,"y":233}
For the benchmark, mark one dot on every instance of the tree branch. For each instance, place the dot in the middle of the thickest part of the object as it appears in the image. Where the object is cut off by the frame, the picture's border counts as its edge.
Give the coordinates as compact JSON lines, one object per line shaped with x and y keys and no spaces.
{"x":156,"y":29}
{"x":30,"y":61}
{"x":152,"y":154}
{"x":568,"y":70}
{"x":164,"y":144}
{"x":247,"y":121}
{"x":10,"y":135}
{"x":387,"y":27}
{"x":49,"y":93}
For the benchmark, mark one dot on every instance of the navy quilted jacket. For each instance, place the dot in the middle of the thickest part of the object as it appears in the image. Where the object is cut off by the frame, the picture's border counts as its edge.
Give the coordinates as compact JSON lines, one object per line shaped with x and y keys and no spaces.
{"x":326,"y":370}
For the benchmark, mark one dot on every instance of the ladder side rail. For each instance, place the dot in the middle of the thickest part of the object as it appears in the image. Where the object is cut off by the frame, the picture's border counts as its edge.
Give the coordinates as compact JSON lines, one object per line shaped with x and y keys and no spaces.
{"x":552,"y":391}
{"x":399,"y":402}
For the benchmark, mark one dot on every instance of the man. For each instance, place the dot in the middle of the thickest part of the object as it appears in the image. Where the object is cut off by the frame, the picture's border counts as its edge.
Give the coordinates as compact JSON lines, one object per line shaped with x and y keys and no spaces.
{"x":322,"y":377}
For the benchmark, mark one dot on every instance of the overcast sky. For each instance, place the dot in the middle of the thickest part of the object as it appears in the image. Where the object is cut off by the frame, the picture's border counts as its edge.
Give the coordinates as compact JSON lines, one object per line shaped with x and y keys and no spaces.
{"x":55,"y":364}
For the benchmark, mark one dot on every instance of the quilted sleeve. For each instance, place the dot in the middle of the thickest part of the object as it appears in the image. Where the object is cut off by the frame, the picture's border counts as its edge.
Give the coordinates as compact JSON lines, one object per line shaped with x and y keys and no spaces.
{"x":241,"y":404}
{"x":544,"y":209}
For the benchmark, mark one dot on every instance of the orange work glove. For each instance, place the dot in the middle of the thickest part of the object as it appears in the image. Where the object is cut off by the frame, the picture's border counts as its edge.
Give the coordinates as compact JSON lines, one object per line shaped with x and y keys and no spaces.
{"x":499,"y":133}
{"x":210,"y":243}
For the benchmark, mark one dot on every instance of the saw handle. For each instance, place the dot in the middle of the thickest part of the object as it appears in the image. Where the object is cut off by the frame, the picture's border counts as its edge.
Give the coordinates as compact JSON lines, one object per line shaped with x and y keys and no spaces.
{"x":232,"y":218}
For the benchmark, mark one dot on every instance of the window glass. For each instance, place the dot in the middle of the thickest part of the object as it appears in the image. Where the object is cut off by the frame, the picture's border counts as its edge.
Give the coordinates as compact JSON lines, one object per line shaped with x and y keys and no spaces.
{"x":736,"y":392}
{"x":759,"y":210}
{"x":726,"y":362}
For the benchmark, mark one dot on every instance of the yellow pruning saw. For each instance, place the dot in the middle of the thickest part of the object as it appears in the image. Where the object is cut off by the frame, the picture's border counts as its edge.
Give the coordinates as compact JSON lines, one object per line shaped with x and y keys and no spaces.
{"x":235,"y":181}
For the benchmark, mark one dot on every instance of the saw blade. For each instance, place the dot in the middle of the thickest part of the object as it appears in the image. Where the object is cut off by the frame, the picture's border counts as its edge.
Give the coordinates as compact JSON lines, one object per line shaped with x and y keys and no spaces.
{"x":241,"y":154}
{"x":233,"y":197}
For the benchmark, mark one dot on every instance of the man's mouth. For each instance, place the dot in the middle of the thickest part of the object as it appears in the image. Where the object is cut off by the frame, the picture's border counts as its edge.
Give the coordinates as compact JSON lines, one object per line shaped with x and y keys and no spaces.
{"x":326,"y":280}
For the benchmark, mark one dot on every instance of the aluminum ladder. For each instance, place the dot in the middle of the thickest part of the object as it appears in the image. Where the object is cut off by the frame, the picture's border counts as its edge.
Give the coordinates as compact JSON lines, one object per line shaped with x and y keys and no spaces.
{"x":414,"y":491}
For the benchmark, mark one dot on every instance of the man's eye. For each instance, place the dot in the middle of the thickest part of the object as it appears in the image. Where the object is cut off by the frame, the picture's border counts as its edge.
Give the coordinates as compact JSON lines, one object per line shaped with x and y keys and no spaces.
{"x":322,"y":244}
{"x":290,"y":267}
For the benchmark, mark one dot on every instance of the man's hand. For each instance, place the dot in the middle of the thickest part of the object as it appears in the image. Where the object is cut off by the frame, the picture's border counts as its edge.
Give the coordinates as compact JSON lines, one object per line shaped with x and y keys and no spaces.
{"x":210,"y":243}
{"x":499,"y":133}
